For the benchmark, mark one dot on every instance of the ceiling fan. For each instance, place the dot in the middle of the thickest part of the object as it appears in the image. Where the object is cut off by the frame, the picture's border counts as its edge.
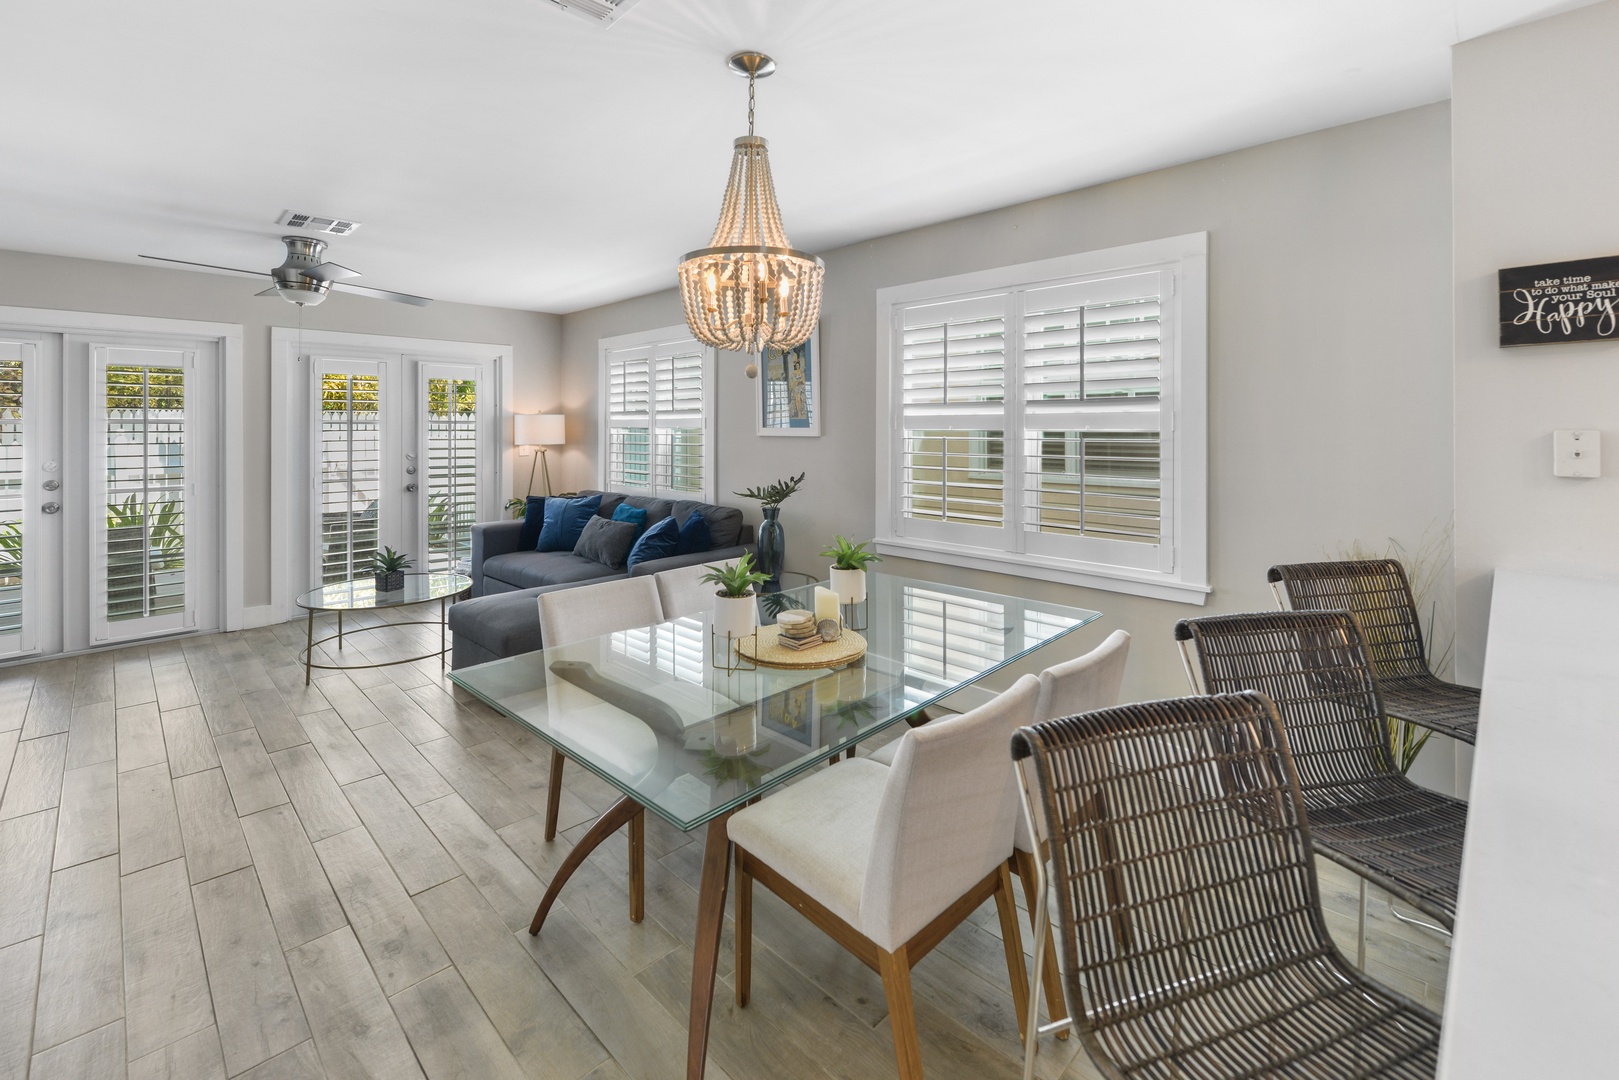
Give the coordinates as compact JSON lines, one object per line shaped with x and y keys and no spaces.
{"x":305,"y":280}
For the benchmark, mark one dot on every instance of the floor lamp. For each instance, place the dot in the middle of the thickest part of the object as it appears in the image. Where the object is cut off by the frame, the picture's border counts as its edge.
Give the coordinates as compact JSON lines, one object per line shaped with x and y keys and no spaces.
{"x":539,"y":430}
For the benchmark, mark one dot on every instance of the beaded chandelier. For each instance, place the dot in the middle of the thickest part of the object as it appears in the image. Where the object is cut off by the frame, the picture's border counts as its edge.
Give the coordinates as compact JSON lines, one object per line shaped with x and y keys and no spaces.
{"x":750,"y":288}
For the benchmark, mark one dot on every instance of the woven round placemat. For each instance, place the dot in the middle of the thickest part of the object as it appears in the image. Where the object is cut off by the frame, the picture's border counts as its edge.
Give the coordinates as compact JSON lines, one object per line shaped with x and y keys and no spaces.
{"x":764,"y":649}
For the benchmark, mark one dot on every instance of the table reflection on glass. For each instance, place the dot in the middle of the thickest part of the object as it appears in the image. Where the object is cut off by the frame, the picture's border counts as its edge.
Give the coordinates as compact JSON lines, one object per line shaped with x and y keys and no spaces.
{"x":646,"y":711}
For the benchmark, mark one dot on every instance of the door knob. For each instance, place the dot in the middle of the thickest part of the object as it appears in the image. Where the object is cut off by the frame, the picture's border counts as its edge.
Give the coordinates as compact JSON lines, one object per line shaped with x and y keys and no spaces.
{"x":51,"y":485}
{"x":51,"y":508}
{"x":410,"y":487}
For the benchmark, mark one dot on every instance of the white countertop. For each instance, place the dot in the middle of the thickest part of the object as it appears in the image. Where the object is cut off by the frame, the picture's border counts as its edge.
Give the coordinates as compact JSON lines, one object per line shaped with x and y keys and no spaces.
{"x":1534,"y":968}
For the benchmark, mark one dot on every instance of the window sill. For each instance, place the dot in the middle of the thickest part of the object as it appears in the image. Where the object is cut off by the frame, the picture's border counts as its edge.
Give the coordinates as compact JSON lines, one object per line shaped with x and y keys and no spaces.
{"x":1085,"y":575}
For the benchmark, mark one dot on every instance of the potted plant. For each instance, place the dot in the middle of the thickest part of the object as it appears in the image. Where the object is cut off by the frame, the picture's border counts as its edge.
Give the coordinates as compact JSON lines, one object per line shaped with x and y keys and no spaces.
{"x":771,"y":539}
{"x":734,"y":611}
{"x":389,"y":568}
{"x":849,"y":562}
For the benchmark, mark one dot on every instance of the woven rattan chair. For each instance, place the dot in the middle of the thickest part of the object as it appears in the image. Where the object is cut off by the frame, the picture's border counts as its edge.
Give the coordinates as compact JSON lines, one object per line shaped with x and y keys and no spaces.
{"x":1214,"y":960}
{"x":1377,"y":592}
{"x":1364,"y":813}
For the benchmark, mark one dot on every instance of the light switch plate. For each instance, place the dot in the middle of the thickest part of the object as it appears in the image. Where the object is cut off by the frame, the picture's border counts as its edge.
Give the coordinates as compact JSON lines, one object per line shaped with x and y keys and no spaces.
{"x":1577,"y":453}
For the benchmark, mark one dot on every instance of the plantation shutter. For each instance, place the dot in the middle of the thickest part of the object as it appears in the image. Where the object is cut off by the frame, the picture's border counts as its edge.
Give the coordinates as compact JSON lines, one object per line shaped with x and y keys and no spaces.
{"x":952,"y":418}
{"x":143,"y":483}
{"x":656,"y":433}
{"x":1092,"y":444}
{"x":15,"y":360}
{"x":629,"y":419}
{"x":452,"y":470}
{"x":349,"y":452}
{"x":678,"y":409}
{"x":949,"y":637}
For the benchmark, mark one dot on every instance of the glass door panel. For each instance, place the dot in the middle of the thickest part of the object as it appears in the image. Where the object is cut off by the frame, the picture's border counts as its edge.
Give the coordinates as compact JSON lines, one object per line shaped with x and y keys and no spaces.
{"x":17,"y":359}
{"x":453,"y":422}
{"x":349,"y":456}
{"x":140,"y":519}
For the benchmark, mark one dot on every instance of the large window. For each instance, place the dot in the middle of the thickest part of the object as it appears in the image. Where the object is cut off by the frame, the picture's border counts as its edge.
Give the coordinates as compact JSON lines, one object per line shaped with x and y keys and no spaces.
{"x":657,"y":408}
{"x":1048,"y":419}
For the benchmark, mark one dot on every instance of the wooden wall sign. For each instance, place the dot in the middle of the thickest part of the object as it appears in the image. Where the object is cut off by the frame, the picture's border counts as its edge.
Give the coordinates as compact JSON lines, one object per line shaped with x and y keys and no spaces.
{"x":1557,"y":302}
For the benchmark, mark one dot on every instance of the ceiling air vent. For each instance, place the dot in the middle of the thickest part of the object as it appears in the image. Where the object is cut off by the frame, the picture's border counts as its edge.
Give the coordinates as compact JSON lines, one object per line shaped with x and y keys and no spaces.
{"x":604,"y":12}
{"x":316,"y":223}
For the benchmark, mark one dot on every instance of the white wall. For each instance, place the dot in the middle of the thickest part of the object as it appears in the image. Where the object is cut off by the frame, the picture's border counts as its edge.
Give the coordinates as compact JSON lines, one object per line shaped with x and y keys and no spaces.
{"x":1330,"y":392}
{"x":1535,"y":166}
{"x":46,"y":281}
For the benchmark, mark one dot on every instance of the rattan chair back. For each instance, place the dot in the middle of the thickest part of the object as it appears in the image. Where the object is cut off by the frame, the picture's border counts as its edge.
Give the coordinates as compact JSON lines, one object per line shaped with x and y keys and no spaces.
{"x":1377,"y":593}
{"x":1313,"y":666}
{"x":1189,"y":912}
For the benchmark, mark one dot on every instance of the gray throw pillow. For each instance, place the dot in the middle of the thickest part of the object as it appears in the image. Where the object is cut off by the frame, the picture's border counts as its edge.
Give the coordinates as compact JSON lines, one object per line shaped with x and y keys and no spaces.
{"x":606,"y":542}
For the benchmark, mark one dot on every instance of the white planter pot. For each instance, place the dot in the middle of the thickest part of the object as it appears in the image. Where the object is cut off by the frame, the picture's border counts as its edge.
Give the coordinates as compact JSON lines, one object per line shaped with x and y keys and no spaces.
{"x":735,"y":615}
{"x":850,"y":585}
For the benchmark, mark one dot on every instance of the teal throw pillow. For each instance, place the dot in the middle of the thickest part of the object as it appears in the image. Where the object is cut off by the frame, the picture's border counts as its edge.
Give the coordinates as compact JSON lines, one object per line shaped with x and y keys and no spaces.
{"x":635,"y":515}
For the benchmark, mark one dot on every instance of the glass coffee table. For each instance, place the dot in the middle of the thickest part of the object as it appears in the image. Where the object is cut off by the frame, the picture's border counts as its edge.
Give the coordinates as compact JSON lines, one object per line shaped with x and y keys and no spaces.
{"x":360,"y":594}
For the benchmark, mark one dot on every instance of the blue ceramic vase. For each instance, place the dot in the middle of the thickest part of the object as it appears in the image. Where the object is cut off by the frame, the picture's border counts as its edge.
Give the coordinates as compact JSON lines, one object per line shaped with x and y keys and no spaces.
{"x":772,"y":544}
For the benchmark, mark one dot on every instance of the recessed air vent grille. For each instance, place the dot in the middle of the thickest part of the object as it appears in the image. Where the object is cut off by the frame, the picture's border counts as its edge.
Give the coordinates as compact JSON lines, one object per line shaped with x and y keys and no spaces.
{"x":604,"y":12}
{"x":316,"y":223}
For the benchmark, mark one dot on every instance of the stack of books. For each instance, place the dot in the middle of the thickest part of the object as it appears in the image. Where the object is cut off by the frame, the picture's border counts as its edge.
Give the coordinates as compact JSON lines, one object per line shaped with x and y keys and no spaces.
{"x":796,"y":630}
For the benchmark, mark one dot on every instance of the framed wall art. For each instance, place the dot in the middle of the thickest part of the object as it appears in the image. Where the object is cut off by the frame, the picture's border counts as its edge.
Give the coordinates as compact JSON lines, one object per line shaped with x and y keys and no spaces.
{"x":790,"y":389}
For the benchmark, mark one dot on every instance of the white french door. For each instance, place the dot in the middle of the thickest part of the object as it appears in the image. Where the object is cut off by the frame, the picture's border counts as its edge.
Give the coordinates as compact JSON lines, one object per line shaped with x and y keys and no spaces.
{"x":403,"y":452}
{"x":108,"y":490}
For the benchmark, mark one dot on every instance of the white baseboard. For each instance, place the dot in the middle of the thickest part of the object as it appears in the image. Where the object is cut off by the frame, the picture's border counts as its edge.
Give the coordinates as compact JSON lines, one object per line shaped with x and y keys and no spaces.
{"x":263,"y":615}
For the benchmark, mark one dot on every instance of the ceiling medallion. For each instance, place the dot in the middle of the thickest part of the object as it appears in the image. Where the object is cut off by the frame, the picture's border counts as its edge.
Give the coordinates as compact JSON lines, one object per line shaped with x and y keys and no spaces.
{"x":749,"y":288}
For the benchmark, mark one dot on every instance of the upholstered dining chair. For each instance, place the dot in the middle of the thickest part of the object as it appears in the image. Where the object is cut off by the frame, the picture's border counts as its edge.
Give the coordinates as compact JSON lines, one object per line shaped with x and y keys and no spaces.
{"x":683,"y":593}
{"x":1189,"y":911}
{"x":1377,"y":592}
{"x":888,"y":860}
{"x":577,"y":614}
{"x":1087,"y":682}
{"x":1364,"y":813}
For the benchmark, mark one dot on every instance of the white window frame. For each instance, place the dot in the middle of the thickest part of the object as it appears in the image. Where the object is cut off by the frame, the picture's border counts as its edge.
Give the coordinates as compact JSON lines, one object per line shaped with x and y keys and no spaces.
{"x":1182,"y":573}
{"x":652,"y":339}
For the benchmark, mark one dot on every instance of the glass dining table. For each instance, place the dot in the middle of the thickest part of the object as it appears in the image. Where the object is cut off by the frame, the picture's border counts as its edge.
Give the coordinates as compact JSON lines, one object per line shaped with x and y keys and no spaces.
{"x":669,"y":716}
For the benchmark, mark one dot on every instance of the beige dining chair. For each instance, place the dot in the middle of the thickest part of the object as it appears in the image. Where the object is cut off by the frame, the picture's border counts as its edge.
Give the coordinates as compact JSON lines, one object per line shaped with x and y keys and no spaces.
{"x":889,"y":860}
{"x":578,"y":614}
{"x":1072,"y":687}
{"x":683,"y":593}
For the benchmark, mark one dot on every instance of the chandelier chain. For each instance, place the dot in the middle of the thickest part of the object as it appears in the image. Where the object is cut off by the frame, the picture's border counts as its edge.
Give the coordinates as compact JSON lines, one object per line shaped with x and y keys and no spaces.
{"x":750,"y":103}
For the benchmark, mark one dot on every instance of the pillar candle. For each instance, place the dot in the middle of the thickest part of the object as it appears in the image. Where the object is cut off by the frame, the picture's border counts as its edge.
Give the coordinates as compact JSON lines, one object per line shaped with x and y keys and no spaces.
{"x":826,"y":604}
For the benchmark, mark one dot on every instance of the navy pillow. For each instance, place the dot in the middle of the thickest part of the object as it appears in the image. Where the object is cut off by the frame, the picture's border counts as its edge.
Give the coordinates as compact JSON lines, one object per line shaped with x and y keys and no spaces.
{"x":694,"y":536}
{"x":658,"y":542}
{"x":565,"y":519}
{"x":632,"y":514}
{"x":533,"y":518}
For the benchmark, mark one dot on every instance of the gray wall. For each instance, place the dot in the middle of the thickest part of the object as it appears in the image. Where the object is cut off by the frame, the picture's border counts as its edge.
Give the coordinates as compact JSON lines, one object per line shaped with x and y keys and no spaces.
{"x":1531,"y":187}
{"x":46,"y":281}
{"x":1330,"y":373}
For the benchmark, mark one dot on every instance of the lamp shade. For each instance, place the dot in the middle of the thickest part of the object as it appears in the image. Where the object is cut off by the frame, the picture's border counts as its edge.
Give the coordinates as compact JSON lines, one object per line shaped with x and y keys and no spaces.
{"x":538,"y":429}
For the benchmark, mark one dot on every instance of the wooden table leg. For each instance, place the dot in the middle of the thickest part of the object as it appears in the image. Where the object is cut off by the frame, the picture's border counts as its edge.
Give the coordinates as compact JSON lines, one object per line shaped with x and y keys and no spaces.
{"x":637,"y":832}
{"x":626,"y":809}
{"x":706,"y":950}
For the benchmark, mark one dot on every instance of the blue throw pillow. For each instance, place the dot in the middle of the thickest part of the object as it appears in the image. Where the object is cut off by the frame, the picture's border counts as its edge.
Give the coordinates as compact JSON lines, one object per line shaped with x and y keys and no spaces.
{"x":632,"y":514}
{"x":694,"y":536}
{"x":565,"y":519}
{"x":533,"y":518}
{"x":658,"y":542}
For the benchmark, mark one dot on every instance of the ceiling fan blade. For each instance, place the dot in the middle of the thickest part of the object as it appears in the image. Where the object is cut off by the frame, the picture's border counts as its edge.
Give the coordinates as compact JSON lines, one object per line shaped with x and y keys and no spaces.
{"x":273,"y":290}
{"x":209,"y":266}
{"x":330,"y":271}
{"x":382,"y":294}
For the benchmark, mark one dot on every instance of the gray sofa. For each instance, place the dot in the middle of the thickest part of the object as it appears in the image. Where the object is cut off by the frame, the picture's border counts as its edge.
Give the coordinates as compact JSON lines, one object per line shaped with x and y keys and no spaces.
{"x":503,"y":619}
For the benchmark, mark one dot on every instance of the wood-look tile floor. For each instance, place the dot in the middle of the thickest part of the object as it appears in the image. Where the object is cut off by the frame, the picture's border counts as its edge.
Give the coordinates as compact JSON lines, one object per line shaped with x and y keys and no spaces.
{"x":211,"y":870}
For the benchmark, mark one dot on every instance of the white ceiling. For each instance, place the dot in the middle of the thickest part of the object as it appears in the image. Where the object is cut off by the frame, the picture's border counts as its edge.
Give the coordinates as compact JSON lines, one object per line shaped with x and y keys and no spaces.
{"x":505,"y":152}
